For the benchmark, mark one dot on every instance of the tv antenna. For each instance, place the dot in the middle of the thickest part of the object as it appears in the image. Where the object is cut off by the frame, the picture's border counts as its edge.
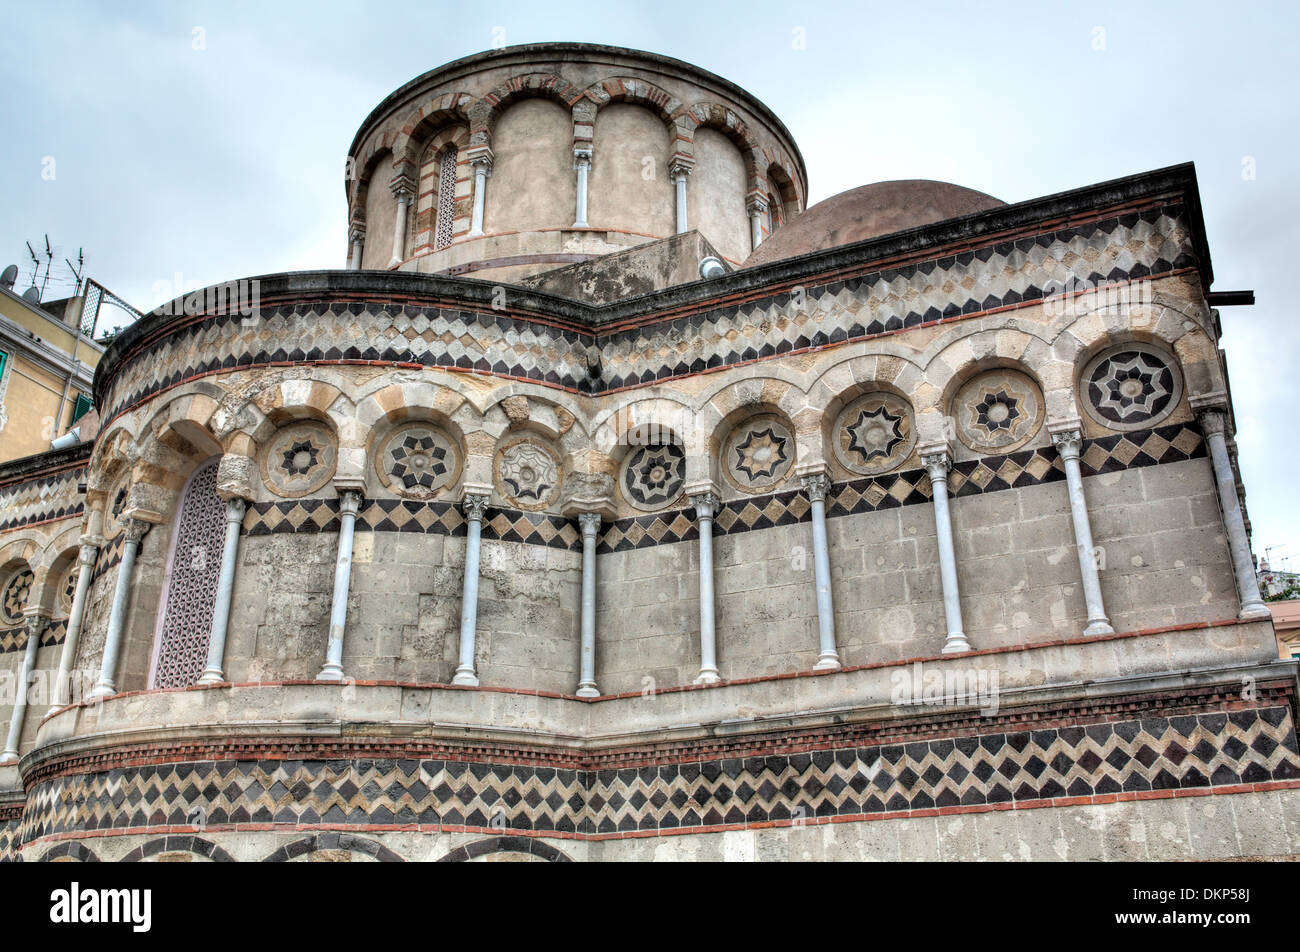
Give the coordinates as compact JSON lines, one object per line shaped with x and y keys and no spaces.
{"x":49,"y":260}
{"x":76,"y":272}
{"x":36,"y":273}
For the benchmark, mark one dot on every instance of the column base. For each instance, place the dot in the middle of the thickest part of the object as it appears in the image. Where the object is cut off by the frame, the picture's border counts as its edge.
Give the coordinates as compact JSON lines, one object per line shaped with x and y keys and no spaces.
{"x":956,"y":643}
{"x":579,"y":224}
{"x":708,"y":676}
{"x":1099,"y":627}
{"x":395,"y":262}
{"x":587,"y":689}
{"x":1254,"y":611}
{"x":331,"y":672}
{"x":9,"y":757}
{"x":102,"y":690}
{"x":465,"y":678}
{"x":828,"y":661}
{"x":214,"y":676}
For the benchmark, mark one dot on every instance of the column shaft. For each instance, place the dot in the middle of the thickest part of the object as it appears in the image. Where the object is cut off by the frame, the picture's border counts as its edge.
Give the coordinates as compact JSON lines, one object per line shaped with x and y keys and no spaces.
{"x":135,"y":530}
{"x":705,"y":504}
{"x":35,"y":625}
{"x":937,"y":465}
{"x":1214,"y":426}
{"x":828,"y":658}
{"x":354,"y":262}
{"x":214,"y":673}
{"x":465,"y":672}
{"x":679,"y":182}
{"x":399,"y":226}
{"x":1069,"y":443}
{"x":590,"y":523}
{"x":581,"y":162}
{"x":350,"y":502}
{"x":480,"y":185}
{"x":61,"y":693}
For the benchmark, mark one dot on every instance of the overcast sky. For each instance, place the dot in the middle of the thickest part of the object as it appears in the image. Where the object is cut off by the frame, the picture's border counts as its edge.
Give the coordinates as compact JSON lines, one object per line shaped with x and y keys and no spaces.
{"x":223,"y":161}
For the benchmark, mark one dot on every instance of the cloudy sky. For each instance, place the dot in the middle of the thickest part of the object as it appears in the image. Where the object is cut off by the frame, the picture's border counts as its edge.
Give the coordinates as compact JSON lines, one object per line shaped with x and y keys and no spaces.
{"x":198,"y":142}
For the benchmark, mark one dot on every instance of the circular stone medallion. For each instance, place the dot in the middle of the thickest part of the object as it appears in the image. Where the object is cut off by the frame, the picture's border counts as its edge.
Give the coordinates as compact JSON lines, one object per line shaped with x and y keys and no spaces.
{"x":998,"y":411}
{"x":15,"y":595}
{"x":1130,"y":387}
{"x":527,"y":473}
{"x":873,"y":434}
{"x":653,"y":475}
{"x":758,"y":454}
{"x":69,"y":589}
{"x":418,"y":461}
{"x":300,"y":459}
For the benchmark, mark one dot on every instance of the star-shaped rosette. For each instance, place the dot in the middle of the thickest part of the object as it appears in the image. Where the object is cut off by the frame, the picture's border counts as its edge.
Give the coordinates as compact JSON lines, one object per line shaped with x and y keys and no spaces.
{"x":1132,"y":387}
{"x":996,"y":411}
{"x":875,"y":434}
{"x":417,"y":461}
{"x":300,"y":458}
{"x":655,"y":474}
{"x":761,"y":454}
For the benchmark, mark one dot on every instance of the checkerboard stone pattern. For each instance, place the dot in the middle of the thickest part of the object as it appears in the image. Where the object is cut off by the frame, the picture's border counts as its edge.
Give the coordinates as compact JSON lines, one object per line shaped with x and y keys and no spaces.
{"x":42,"y":500}
{"x":614,"y":793}
{"x":9,"y":823}
{"x":1141,"y":244}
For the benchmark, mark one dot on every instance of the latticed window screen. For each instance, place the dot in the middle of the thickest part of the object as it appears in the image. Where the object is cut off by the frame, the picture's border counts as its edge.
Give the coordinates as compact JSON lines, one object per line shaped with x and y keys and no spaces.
{"x":192,"y":582}
{"x":446,"y":199}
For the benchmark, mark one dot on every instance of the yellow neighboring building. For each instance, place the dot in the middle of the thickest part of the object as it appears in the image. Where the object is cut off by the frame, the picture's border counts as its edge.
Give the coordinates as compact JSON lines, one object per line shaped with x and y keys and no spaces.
{"x":1286,"y":623}
{"x":46,"y":368}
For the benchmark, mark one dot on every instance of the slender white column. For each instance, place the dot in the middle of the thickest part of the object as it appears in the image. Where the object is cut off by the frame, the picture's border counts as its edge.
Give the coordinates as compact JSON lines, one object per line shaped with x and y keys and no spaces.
{"x":35,"y":625}
{"x":756,"y":211}
{"x":816,"y":485}
{"x":135,"y":530}
{"x":473,"y":504}
{"x":590,"y":523}
{"x":358,"y":242}
{"x":706,"y":504}
{"x":86,"y":560}
{"x":1069,"y":442}
{"x":1214,"y":421}
{"x":482,"y":168}
{"x":679,"y":171}
{"x":581,"y":162}
{"x":213,"y":673}
{"x":937,"y":465}
{"x":349,"y":504}
{"x":403,"y":195}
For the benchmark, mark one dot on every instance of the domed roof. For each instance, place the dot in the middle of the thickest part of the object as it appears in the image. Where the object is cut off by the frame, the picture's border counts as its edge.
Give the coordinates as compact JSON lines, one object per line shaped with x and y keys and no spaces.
{"x":868,"y":212}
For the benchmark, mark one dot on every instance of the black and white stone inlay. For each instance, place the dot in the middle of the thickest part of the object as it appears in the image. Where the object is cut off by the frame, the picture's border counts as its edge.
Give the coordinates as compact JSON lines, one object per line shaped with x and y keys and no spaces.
{"x":873,"y":434}
{"x":759,"y":453}
{"x":15,"y":596}
{"x":997,"y":411}
{"x":1131,"y":387}
{"x":528,"y":474}
{"x":418,"y":461}
{"x":654,"y":475}
{"x":300,"y":459}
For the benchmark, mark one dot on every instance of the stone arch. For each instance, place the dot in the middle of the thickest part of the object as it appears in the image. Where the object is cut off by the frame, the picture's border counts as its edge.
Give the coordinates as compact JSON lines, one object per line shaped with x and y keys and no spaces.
{"x":69,"y":852}
{"x":428,"y":120}
{"x":366,"y":165}
{"x":781,"y":186}
{"x":664,"y":412}
{"x":975,"y":351}
{"x":318,"y":842}
{"x":526,"y":845}
{"x":57,"y":557}
{"x":178,"y":843}
{"x":484,"y":113}
{"x":712,"y":115}
{"x":637,"y":92}
{"x":424,"y":227}
{"x":17,"y":558}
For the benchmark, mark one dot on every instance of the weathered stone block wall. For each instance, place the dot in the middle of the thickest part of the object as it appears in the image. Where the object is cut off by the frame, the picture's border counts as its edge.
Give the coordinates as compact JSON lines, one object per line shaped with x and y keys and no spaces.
{"x":404,"y":607}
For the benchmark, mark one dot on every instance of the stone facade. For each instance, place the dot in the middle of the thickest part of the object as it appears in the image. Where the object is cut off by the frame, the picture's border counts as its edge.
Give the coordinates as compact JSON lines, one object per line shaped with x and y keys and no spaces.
{"x":401,"y":565}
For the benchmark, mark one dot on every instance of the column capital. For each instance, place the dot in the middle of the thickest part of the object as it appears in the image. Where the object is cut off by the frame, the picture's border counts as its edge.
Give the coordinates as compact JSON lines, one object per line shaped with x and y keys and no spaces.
{"x":402,"y":187}
{"x":474,"y":500}
{"x":357,"y":234}
{"x":756,"y":205}
{"x":816,"y":485}
{"x":679,"y":166}
{"x":705,"y":504}
{"x":235,"y":508}
{"x":89,"y":541}
{"x":136,"y":528}
{"x":481,"y":159}
{"x":581,"y":156}
{"x":1213,"y":420}
{"x":936,"y":457}
{"x":589,"y":522}
{"x":349,"y":502}
{"x":1067,"y":437}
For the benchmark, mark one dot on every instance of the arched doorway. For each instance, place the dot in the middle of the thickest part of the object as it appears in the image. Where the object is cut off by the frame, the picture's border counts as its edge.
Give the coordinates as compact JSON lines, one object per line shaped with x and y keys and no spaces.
{"x":190,"y":588}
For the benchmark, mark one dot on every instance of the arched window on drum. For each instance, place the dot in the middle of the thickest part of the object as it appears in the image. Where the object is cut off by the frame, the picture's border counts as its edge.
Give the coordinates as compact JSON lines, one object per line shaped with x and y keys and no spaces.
{"x":190,"y":586}
{"x":446,"y":199}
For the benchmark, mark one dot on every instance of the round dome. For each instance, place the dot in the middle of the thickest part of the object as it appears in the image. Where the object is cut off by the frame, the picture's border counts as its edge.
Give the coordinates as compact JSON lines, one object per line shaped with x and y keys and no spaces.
{"x":869,"y":211}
